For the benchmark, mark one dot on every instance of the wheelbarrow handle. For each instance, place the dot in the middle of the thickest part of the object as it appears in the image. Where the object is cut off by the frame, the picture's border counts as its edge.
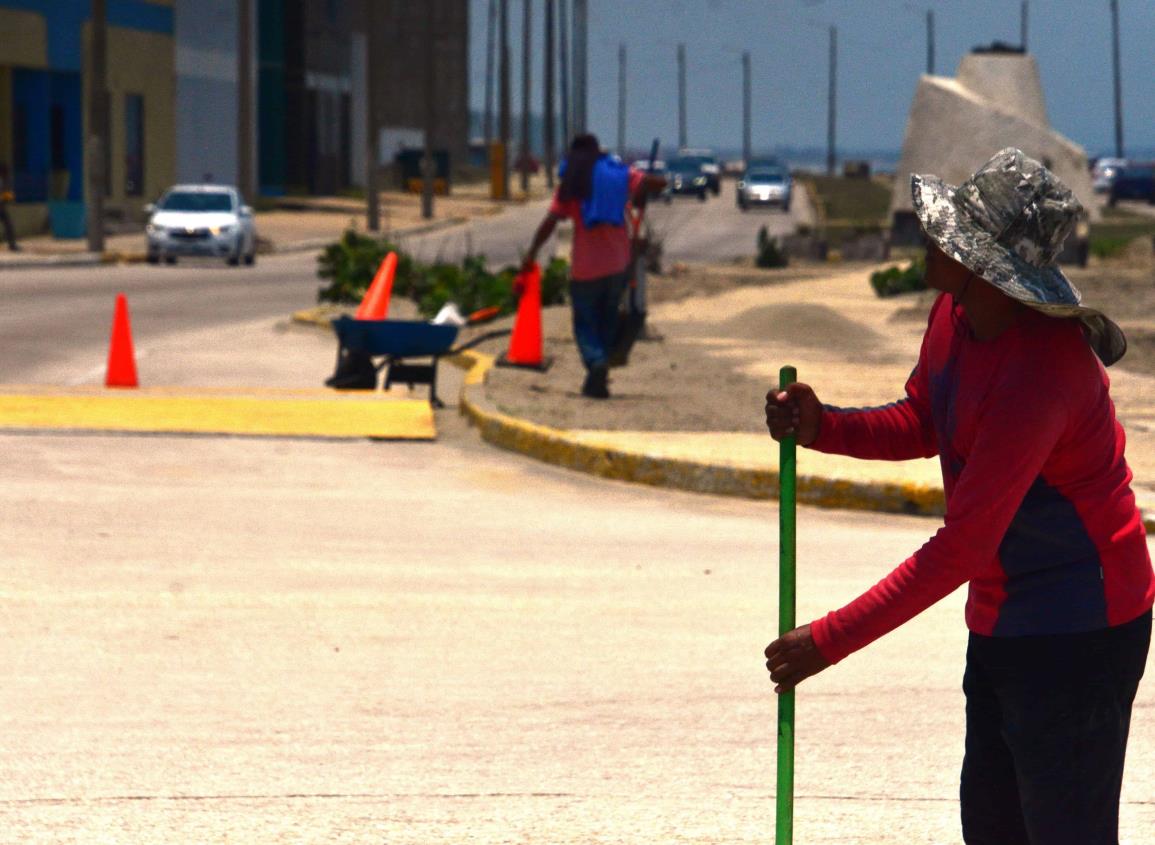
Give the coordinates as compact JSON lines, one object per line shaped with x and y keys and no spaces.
{"x":481,"y":338}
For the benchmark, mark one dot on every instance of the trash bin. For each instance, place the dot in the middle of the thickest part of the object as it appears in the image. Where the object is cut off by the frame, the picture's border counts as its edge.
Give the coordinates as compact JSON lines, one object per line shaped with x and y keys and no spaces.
{"x":409,"y":170}
{"x":67,"y":218}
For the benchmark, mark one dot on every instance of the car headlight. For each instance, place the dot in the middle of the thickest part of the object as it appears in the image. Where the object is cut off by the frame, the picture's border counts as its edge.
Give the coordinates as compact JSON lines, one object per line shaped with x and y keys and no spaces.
{"x":699,"y":180}
{"x":221,"y":230}
{"x":154,"y":229}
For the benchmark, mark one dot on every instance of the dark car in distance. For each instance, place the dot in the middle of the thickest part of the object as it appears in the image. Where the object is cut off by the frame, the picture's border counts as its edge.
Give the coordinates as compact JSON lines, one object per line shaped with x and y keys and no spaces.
{"x":1134,"y":181}
{"x":686,"y":177}
{"x":709,"y":165}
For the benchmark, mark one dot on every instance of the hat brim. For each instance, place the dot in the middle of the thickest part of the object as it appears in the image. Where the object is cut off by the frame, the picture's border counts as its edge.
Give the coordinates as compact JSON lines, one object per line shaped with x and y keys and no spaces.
{"x":1044,"y":288}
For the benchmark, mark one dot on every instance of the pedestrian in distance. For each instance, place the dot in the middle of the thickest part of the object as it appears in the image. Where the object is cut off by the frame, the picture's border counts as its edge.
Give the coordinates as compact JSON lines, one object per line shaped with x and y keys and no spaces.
{"x":1010,"y":392}
{"x":595,"y":192}
{"x":6,"y":196}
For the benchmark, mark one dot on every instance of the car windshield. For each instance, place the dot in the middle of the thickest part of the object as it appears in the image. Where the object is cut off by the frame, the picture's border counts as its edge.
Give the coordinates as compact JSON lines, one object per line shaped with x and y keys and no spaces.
{"x":196,"y":201}
{"x":684,"y":166}
{"x":765,"y":176}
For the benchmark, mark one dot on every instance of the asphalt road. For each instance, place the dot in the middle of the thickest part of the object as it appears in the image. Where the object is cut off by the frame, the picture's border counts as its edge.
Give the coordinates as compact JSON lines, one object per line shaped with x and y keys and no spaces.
{"x":56,"y":322}
{"x":690,"y":230}
{"x":55,"y":317}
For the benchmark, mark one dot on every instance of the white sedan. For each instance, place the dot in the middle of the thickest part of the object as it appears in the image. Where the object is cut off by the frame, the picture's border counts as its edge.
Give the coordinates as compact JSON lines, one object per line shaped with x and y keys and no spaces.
{"x":201,"y":220}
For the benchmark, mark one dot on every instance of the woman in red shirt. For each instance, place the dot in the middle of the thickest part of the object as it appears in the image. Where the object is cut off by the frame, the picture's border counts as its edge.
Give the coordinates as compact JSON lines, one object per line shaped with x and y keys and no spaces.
{"x":1011,"y":393}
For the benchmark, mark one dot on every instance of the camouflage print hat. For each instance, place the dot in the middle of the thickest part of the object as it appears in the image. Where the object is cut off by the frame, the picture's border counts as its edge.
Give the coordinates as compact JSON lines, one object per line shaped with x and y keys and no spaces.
{"x":1007,"y":224}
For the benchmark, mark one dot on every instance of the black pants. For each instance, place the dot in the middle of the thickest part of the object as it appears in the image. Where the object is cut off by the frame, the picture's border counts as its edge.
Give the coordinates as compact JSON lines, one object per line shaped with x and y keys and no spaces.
{"x":1047,"y":724}
{"x":595,"y":316}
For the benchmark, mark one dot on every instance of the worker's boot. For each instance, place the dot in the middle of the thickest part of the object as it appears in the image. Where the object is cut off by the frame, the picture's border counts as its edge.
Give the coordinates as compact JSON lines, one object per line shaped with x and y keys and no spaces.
{"x":597,"y":382}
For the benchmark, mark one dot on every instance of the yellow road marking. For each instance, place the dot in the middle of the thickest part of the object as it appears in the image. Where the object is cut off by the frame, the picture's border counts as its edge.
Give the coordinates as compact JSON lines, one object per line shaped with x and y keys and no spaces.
{"x":172,"y":410}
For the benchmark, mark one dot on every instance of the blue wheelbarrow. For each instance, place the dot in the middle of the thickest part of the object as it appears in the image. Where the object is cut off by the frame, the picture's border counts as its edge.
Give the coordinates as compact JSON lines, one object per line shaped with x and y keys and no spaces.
{"x":361,"y":342}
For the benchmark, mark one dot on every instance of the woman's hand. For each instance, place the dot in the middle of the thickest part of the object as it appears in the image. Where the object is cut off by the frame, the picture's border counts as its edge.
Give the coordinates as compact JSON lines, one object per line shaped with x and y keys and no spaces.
{"x":795,"y":410}
{"x":792,"y":658}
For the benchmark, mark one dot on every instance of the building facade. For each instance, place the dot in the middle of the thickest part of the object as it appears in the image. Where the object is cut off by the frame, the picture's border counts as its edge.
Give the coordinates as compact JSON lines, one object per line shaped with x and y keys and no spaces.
{"x":45,"y":53}
{"x":173,"y":70}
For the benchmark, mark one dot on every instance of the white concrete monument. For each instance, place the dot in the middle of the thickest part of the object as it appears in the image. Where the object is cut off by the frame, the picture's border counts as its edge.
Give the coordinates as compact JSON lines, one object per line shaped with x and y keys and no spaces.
{"x":955,"y":125}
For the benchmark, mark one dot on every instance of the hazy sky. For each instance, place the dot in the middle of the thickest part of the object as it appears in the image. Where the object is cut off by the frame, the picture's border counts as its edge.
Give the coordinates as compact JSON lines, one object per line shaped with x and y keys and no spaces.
{"x":882,"y":50}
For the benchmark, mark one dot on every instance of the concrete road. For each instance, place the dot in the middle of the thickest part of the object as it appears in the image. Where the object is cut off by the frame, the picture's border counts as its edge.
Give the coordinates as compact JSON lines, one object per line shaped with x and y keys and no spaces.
{"x":267,"y":641}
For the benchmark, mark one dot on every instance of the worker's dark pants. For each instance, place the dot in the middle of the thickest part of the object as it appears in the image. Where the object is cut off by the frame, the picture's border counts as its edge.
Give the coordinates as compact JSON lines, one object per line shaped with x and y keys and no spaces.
{"x":1047,"y":723}
{"x":595,"y":316}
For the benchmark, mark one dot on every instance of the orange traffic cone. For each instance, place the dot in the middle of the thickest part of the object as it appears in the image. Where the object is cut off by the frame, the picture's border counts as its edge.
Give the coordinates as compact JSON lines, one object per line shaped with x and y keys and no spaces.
{"x":525,"y":343}
{"x":121,"y":360}
{"x":375,"y":304}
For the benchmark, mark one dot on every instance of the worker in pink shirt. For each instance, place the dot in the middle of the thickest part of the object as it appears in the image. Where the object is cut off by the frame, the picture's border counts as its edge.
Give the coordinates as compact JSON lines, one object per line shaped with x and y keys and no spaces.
{"x":1011,"y":394}
{"x":595,"y":191}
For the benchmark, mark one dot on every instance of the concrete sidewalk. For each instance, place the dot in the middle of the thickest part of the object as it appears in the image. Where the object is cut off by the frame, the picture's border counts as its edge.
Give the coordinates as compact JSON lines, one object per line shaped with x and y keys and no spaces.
{"x":746,"y":464}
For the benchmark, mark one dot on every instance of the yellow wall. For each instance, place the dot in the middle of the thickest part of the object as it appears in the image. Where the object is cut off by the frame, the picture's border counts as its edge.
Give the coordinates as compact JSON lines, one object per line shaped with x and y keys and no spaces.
{"x":140,"y":63}
{"x":23,"y":39}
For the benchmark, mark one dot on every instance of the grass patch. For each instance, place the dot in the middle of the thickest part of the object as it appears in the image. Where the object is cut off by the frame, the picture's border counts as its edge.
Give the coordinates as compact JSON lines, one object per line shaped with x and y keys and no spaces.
{"x":849,"y":202}
{"x":1118,"y":228}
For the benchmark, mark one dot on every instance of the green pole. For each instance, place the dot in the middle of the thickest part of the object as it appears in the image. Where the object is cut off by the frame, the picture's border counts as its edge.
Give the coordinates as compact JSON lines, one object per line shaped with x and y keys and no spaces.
{"x":784,"y":829}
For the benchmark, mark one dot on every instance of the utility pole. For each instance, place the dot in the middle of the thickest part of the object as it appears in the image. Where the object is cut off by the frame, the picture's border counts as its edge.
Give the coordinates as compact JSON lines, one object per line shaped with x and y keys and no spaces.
{"x":681,"y":95}
{"x":373,"y":201}
{"x":526,"y":62}
{"x":930,"y":42}
{"x":1023,"y":27}
{"x":97,"y":127}
{"x":621,"y":100}
{"x":428,"y":169}
{"x":245,"y":179}
{"x":746,"y":147}
{"x":504,"y":97}
{"x":1118,"y":81}
{"x":548,"y":141}
{"x":564,"y":81}
{"x":581,"y":67}
{"x":490,"y":35}
{"x":831,"y":98}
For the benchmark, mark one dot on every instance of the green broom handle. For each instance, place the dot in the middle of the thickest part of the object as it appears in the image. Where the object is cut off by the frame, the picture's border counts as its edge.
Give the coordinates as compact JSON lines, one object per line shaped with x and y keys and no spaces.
{"x":784,"y":829}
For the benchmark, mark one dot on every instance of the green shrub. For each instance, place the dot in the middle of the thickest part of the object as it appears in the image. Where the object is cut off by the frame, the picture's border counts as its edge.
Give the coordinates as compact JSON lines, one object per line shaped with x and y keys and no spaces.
{"x":895,"y":280}
{"x":770,"y":252}
{"x":350,"y":263}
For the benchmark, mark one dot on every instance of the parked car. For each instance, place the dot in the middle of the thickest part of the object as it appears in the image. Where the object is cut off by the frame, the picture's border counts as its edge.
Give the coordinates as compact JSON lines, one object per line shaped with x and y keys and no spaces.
{"x":686,"y":177}
{"x":1135,"y":181}
{"x":1103,"y":173}
{"x":210,"y":221}
{"x":765,"y":184}
{"x":708,"y":163}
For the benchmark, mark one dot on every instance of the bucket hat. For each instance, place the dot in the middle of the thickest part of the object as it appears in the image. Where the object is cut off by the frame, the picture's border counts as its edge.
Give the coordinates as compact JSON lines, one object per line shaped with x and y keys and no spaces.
{"x":1007,"y":224}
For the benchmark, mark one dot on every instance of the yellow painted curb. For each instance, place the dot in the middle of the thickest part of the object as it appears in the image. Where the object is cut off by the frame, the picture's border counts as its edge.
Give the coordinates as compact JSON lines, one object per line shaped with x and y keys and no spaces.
{"x":281,"y":413}
{"x":606,"y":461}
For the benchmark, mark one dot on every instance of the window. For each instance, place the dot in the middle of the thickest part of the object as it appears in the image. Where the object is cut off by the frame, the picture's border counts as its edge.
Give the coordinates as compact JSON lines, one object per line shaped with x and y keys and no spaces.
{"x":133,"y":145}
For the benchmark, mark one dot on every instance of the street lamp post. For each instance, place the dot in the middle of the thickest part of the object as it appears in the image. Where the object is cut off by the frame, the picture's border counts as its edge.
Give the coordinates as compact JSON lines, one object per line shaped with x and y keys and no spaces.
{"x":97,"y":150}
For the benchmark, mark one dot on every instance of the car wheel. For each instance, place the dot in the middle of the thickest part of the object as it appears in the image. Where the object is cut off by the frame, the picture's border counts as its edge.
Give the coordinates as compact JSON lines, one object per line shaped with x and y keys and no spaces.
{"x":170,"y":259}
{"x":702,"y":196}
{"x":251,"y":258}
{"x":152,"y":258}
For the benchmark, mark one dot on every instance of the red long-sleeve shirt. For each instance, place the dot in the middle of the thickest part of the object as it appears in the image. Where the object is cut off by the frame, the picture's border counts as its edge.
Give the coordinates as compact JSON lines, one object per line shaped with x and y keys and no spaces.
{"x":1040,"y":517}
